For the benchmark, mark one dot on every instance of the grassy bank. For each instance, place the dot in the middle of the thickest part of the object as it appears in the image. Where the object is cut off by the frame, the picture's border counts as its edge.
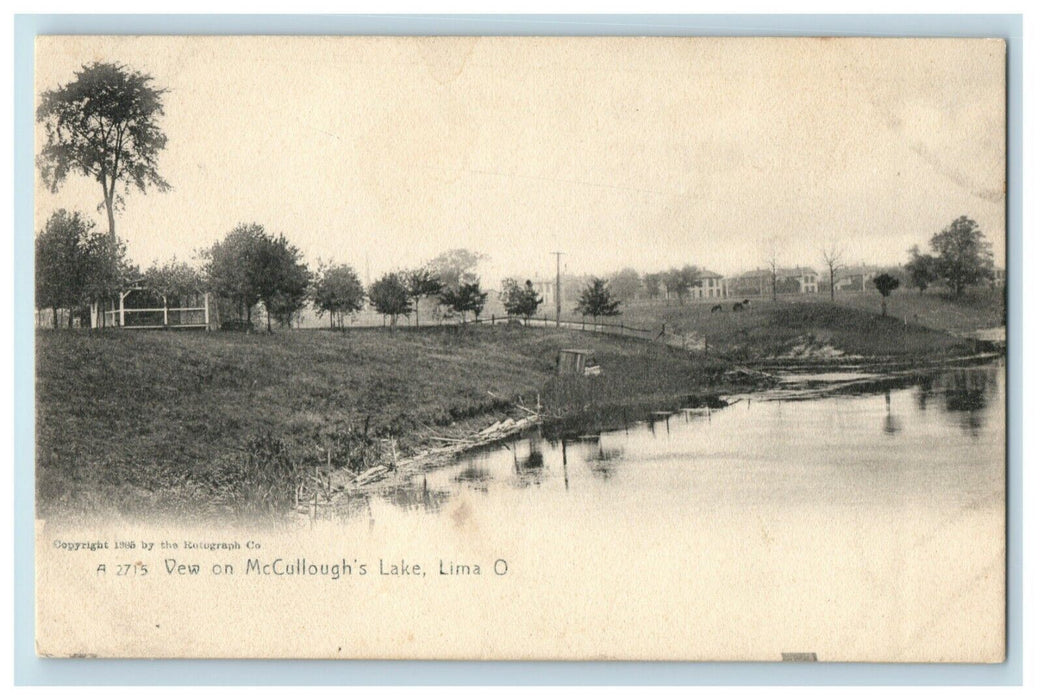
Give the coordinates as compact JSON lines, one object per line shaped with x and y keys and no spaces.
{"x":140,"y":421}
{"x":145,"y":420}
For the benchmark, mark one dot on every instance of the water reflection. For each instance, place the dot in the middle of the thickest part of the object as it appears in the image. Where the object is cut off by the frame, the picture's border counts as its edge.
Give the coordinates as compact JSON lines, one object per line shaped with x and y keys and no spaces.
{"x":892,"y":424}
{"x":936,"y":434}
{"x":530,"y":470}
{"x":415,"y":497}
{"x":602,"y":460}
{"x":964,"y":393}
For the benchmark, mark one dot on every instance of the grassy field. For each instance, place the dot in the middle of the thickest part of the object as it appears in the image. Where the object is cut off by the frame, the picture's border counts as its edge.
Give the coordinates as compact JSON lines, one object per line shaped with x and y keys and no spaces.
{"x":978,"y":308}
{"x":853,"y":325}
{"x":146,"y":421}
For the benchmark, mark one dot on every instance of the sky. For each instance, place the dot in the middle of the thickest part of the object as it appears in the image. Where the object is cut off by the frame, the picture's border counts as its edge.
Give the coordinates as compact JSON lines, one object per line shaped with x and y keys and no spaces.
{"x":382,"y":152}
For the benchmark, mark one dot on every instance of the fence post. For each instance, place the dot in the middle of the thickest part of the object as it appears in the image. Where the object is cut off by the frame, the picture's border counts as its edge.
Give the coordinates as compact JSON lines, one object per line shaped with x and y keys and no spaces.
{"x":164,"y":310}
{"x":206,"y":309}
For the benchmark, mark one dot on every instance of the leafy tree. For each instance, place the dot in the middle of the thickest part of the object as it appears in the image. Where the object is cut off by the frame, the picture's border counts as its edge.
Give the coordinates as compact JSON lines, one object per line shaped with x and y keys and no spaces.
{"x":421,"y":283}
{"x":597,"y":300}
{"x":626,"y":283}
{"x":338,"y":291}
{"x":680,"y":281}
{"x":456,"y":267}
{"x":174,"y":280}
{"x":228,"y":266}
{"x":921,"y":268}
{"x":464,"y":298}
{"x":520,"y":300}
{"x":390,"y":297}
{"x":103,"y":125}
{"x":251,"y":266}
{"x":652,"y":284}
{"x":885,"y":284}
{"x":77,"y":265}
{"x":283,"y":278}
{"x":60,"y":269}
{"x":962,"y":255}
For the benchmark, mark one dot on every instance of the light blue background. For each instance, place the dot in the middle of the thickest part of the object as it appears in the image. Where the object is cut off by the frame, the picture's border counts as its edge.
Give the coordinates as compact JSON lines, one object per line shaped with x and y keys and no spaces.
{"x":30,"y":670}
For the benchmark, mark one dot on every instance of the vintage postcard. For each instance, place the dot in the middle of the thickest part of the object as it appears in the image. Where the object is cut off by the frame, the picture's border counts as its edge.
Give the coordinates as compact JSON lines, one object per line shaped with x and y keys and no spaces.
{"x":520,"y":348}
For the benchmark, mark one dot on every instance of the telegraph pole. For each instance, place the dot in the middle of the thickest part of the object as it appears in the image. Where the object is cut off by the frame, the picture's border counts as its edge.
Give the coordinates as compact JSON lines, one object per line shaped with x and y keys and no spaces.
{"x":558,"y":287}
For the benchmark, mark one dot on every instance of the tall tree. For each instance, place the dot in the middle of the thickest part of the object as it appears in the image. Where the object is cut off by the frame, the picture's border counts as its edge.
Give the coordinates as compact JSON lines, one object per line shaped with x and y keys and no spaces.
{"x":832,"y":258}
{"x":389,"y":297}
{"x":597,"y":300}
{"x":921,"y":268}
{"x":420,"y":283}
{"x":520,"y":299}
{"x":103,"y":125}
{"x":885,"y":284}
{"x":962,"y":254}
{"x":338,"y":291}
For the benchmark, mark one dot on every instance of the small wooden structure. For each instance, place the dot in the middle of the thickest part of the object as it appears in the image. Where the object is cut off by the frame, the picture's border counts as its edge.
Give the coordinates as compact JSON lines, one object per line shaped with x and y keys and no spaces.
{"x":576,"y":361}
{"x":144,"y":308}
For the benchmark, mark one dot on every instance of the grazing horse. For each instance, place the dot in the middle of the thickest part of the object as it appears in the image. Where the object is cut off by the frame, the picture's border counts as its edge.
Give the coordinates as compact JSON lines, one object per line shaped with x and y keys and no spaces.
{"x":716,"y":308}
{"x":741,"y":305}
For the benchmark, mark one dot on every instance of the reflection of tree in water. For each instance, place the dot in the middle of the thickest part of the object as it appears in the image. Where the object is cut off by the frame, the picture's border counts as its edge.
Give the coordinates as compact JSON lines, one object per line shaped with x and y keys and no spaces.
{"x":474,"y":477}
{"x":413,"y":497}
{"x":530,"y":469}
{"x":965,"y":392}
{"x":924,"y":391}
{"x":892,"y":424}
{"x":603,"y":460}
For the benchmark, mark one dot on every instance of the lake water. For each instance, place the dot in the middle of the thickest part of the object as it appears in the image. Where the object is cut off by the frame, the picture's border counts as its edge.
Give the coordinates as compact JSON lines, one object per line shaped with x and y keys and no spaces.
{"x":862,"y":525}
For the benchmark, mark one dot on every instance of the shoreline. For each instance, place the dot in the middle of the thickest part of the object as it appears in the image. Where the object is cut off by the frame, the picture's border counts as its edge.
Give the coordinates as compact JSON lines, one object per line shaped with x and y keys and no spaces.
{"x":344,"y":484}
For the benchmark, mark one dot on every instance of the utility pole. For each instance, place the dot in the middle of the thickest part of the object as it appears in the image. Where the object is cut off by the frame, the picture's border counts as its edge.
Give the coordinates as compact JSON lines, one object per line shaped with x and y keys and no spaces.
{"x":558,"y":287}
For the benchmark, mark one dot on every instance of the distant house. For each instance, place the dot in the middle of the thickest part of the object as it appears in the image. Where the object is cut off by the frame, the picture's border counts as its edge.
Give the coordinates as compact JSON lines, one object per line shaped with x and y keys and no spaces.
{"x":859,"y":278}
{"x":800,"y":280}
{"x":789,"y":280}
{"x":709,"y":285}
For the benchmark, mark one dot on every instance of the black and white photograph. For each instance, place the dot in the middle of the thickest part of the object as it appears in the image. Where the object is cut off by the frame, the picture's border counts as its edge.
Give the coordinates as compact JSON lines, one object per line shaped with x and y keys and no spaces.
{"x":521,"y":348}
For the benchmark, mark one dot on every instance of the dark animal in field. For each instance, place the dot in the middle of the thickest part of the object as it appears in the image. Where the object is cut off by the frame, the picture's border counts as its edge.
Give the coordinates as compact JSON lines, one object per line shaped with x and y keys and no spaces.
{"x":741,"y":305}
{"x":716,"y":308}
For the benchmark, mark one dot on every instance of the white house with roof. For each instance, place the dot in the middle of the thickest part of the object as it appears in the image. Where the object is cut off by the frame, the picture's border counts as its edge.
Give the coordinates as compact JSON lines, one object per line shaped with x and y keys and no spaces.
{"x":708,"y":285}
